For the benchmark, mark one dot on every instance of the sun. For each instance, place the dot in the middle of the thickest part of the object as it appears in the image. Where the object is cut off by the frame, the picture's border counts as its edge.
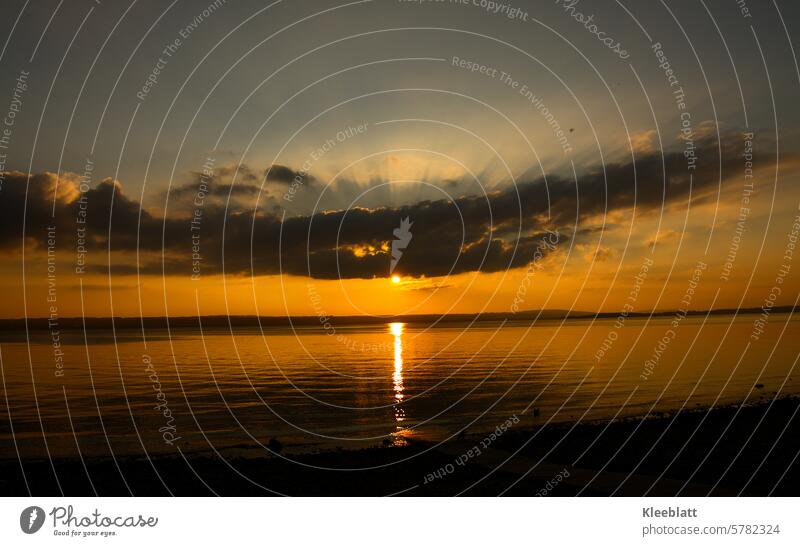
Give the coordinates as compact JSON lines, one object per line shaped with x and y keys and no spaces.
{"x":395,"y":279}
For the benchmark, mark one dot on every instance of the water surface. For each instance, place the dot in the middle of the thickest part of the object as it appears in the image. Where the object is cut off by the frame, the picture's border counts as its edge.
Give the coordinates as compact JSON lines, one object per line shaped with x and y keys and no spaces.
{"x":358,"y":386}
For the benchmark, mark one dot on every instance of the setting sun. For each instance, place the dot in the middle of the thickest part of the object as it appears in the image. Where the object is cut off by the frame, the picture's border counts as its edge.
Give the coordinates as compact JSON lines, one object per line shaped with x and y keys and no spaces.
{"x":395,"y":279}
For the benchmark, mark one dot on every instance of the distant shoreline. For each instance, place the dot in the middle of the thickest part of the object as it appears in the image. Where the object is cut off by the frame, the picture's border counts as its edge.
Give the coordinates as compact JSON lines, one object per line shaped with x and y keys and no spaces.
{"x":253,"y":321}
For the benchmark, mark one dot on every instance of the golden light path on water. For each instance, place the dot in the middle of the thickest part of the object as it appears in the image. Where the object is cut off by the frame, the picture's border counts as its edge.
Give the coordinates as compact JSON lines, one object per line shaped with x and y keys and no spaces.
{"x":396,"y":328}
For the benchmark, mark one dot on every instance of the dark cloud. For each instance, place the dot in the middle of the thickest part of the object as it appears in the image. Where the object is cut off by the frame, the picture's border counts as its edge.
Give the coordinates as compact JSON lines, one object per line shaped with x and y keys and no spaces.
{"x":286,"y":175}
{"x":242,"y":172}
{"x":32,"y":205}
{"x":224,"y":182}
{"x":215,"y":190}
{"x":471,"y":233}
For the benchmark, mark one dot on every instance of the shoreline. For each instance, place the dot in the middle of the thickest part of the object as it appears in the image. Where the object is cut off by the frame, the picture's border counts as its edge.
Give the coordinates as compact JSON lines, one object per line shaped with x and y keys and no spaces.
{"x":664,"y":454}
{"x":254,"y":321}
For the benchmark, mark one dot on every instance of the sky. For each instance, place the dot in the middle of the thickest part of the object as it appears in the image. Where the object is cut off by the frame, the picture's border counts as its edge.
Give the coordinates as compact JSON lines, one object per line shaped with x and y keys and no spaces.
{"x":220,"y":157}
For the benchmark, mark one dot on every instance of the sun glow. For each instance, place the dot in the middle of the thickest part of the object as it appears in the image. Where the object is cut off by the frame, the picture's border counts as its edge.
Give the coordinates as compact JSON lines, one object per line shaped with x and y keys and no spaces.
{"x":395,"y":279}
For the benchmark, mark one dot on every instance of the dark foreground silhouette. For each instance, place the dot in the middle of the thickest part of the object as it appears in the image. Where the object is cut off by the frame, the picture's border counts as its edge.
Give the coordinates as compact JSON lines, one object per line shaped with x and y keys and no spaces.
{"x":749,"y":450}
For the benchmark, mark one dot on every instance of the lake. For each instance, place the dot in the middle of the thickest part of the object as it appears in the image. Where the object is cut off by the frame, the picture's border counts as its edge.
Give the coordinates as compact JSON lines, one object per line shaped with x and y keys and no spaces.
{"x":356,"y":386}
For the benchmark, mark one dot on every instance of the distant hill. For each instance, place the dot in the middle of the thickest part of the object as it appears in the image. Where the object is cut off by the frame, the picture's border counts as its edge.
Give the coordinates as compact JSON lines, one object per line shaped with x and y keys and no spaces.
{"x":252,"y":321}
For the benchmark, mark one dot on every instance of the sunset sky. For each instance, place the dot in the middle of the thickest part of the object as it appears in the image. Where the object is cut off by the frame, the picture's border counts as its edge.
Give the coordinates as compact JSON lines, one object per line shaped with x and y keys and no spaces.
{"x":299,"y":135}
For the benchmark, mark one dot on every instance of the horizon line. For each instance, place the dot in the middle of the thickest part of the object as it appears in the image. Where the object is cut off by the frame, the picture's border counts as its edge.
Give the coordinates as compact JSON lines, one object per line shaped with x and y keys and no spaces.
{"x":303,"y":320}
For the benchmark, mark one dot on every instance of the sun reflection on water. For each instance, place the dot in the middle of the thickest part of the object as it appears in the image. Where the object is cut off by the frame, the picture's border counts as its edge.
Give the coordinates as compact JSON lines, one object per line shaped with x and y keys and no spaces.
{"x":396,"y":328}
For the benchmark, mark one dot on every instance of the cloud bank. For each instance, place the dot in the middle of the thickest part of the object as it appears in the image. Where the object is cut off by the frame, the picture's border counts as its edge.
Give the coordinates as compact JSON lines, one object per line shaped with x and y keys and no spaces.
{"x":487,"y":233}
